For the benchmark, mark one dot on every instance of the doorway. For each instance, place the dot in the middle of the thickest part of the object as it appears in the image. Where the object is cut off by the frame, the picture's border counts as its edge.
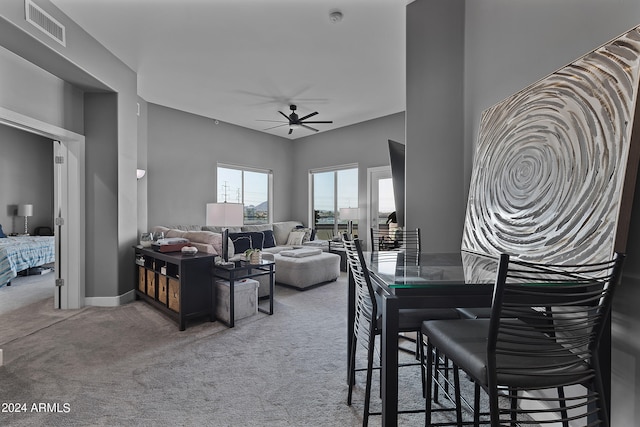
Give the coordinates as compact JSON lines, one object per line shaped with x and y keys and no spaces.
{"x":68,"y":187}
{"x":381,"y":198}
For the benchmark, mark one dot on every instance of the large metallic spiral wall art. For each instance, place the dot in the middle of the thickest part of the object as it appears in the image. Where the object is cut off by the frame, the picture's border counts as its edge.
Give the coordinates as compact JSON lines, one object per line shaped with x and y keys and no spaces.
{"x":551,"y":160}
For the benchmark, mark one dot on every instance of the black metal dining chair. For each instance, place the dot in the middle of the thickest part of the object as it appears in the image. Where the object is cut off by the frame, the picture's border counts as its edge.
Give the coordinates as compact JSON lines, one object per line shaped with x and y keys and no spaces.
{"x":368,"y":323}
{"x":537,"y":315}
{"x":393,"y":239}
{"x":397,"y":239}
{"x":513,"y":351}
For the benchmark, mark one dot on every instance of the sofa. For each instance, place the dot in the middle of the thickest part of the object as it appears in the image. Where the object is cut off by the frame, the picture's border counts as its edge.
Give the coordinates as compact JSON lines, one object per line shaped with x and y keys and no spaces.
{"x":301,"y":273}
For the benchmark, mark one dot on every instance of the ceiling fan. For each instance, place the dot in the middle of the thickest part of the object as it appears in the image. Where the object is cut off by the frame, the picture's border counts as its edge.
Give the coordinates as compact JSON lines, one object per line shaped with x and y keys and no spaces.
{"x":294,"y":122}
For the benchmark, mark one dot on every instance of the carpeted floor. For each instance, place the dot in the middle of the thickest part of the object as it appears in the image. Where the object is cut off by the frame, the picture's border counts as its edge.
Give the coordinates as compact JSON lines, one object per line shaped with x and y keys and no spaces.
{"x":131,"y":366}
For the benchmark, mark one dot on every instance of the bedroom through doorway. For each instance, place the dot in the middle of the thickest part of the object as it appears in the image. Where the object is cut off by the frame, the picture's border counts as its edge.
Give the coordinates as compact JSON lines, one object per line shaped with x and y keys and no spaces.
{"x":68,"y":206}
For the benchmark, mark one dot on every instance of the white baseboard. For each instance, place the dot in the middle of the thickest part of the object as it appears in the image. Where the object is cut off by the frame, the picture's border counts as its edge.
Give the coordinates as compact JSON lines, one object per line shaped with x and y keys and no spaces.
{"x":111,"y":301}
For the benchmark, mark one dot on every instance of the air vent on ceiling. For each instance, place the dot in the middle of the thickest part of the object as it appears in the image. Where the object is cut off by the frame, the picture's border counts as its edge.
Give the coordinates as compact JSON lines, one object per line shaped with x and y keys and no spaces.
{"x":44,"y":22}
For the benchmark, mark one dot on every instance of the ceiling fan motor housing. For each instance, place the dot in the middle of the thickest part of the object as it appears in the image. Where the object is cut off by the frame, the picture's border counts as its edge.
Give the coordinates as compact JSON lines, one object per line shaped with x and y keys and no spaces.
{"x":295,"y":121}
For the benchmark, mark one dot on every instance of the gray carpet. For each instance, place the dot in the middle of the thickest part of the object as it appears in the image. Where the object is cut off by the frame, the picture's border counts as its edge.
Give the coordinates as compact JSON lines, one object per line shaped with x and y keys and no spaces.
{"x":25,"y":290}
{"x":130,"y":365}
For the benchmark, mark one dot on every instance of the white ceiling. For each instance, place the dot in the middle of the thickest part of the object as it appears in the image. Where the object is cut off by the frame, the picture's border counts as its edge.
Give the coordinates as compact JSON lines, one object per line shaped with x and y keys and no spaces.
{"x":242,"y":61}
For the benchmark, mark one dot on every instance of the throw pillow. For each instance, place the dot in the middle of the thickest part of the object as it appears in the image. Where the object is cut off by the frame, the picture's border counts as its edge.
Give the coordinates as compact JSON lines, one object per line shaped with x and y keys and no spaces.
{"x":2,"y":235}
{"x":295,"y":238}
{"x":307,"y":233}
{"x":246,"y":240}
{"x":269,"y":240}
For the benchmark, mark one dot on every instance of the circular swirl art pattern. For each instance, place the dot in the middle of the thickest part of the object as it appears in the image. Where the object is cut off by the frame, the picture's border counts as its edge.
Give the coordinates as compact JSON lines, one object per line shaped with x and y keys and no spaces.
{"x":551,"y":160}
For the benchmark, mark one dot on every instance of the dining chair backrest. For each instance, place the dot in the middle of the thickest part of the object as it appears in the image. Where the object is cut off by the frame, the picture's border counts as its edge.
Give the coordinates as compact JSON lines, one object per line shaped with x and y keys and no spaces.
{"x":366,"y":312}
{"x":575,"y":301}
{"x":388,"y":239}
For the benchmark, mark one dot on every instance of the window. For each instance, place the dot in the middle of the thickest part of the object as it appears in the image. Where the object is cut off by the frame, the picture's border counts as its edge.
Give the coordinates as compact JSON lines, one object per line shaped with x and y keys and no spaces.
{"x":251,"y":187}
{"x":331,"y":190}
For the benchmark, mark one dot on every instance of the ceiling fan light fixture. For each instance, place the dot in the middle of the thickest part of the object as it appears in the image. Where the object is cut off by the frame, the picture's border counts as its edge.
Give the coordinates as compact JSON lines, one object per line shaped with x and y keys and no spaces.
{"x":294,"y":126}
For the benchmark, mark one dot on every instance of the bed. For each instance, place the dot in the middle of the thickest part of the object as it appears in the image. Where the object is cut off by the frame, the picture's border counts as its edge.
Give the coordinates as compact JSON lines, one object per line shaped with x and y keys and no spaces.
{"x":18,"y":253}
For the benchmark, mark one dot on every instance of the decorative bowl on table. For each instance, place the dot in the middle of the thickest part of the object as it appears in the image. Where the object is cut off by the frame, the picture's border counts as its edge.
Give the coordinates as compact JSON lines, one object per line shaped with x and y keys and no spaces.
{"x":189,"y":250}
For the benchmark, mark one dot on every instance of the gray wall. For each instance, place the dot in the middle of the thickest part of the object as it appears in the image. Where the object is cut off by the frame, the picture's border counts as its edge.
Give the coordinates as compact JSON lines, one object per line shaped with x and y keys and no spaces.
{"x":142,"y":164}
{"x":29,"y":90}
{"x":364,"y":143}
{"x":182,"y":154}
{"x":89,"y":67}
{"x":102,"y":194}
{"x":183,"y":150}
{"x":511,"y":44}
{"x":26,"y":176}
{"x":434,"y":148}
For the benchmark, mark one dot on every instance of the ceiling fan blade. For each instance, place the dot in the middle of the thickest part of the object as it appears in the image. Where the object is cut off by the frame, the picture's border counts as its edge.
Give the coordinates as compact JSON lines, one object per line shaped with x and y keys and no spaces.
{"x":285,"y":116}
{"x":308,"y":127}
{"x":307,"y":116}
{"x":274,"y":121}
{"x":326,"y":121}
{"x":277,"y":126}
{"x":290,"y":131}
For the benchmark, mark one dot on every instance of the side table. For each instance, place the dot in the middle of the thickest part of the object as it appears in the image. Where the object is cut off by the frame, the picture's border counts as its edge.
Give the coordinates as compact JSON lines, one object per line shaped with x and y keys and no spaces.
{"x":338,"y":249}
{"x":244,"y":270}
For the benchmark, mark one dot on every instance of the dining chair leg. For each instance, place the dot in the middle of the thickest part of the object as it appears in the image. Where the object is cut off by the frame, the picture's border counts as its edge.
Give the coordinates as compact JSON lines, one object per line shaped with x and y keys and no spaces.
{"x":494,"y":410}
{"x":456,"y":384}
{"x":367,"y":395}
{"x":352,"y":369}
{"x":423,"y":371}
{"x":513,"y":394}
{"x":446,"y":373}
{"x":476,"y":405}
{"x":599,"y":389}
{"x":428,"y":385}
{"x":563,"y":407}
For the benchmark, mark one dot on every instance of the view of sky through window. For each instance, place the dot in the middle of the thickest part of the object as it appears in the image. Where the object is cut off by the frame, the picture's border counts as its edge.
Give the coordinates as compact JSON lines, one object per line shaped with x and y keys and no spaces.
{"x":251,"y":188}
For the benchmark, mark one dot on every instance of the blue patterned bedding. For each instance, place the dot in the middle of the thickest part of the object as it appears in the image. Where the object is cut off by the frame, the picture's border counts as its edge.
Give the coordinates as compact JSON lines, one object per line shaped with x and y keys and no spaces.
{"x":23,"y":252}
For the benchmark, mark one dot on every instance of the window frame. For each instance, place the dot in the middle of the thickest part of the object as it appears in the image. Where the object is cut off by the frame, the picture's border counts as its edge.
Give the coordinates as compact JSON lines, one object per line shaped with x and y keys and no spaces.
{"x":244,"y":169}
{"x":335,"y":170}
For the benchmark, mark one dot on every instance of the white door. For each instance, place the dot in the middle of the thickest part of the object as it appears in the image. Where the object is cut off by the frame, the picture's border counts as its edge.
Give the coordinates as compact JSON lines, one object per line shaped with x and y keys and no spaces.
{"x":381,"y":200}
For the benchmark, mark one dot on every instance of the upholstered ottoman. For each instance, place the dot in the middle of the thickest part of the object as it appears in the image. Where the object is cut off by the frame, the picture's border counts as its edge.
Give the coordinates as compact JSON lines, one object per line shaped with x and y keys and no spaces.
{"x":303,"y":268}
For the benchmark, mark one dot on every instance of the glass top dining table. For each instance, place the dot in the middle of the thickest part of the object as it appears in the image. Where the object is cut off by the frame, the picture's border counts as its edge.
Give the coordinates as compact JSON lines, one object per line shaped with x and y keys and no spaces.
{"x":419,"y":280}
{"x":397,"y":271}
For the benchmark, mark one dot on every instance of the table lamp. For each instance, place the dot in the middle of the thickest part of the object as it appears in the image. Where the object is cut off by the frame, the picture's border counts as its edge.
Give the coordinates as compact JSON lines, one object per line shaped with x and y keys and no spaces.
{"x":26,"y":211}
{"x":349,"y":214}
{"x":225,"y":215}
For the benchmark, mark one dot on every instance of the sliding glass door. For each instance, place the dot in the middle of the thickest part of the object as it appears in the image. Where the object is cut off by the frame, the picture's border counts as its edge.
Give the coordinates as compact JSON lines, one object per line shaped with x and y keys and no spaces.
{"x":331,"y":190}
{"x":382,"y":205}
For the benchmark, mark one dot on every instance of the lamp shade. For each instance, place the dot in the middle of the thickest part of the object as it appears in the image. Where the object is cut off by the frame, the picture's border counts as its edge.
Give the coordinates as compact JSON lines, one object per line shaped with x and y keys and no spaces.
{"x":140,"y":173}
{"x":349,"y":213}
{"x":25,"y":210}
{"x":225,"y":214}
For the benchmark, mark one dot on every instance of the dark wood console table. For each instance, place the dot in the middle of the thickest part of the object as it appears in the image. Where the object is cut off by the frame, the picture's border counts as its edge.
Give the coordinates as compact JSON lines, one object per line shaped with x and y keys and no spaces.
{"x":178,"y":285}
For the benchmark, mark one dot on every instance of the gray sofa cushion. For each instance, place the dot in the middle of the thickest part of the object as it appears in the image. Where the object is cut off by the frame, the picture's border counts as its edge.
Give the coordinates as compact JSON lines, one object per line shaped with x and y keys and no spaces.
{"x":257,"y":227}
{"x":282,"y":229}
{"x":220,"y":229}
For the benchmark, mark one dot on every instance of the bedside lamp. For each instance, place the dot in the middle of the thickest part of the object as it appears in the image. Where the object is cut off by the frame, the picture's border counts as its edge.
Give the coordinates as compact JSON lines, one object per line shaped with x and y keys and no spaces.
{"x":226,"y":215}
{"x":26,"y":211}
